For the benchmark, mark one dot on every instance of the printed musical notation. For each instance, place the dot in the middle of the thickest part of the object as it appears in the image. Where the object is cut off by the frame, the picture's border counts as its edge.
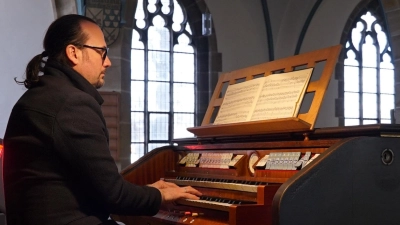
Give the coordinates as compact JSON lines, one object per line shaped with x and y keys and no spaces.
{"x":272,"y":97}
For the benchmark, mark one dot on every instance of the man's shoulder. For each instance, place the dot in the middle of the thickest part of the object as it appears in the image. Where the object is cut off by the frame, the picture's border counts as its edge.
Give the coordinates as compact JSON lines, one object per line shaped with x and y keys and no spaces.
{"x":50,"y":95}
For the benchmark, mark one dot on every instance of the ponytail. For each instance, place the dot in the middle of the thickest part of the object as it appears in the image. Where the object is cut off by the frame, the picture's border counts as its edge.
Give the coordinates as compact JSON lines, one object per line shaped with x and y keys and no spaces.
{"x":34,"y":67}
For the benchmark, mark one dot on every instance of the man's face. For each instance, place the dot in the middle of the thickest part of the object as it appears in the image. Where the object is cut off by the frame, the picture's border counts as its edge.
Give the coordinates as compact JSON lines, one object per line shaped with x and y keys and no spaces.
{"x":93,"y":65}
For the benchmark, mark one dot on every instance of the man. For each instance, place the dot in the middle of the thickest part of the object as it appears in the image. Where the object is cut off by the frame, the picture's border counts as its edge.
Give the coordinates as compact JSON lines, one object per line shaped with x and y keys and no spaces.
{"x":57,"y":165}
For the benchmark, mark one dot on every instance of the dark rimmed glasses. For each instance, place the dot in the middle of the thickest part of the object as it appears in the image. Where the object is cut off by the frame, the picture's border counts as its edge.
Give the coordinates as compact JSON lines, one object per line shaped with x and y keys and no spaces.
{"x":104,"y":50}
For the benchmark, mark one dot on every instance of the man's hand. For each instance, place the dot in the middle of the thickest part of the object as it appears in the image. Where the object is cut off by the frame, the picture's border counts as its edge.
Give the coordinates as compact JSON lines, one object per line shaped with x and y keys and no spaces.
{"x":171,"y":192}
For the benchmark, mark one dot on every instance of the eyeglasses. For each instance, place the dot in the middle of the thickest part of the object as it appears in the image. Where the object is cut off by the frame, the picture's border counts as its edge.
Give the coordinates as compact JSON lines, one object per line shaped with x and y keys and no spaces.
{"x":103,"y":49}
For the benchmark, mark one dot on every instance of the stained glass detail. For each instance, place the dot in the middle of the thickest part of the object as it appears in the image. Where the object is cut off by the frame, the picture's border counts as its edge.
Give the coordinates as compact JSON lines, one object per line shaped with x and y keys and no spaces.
{"x":158,"y":35}
{"x":387,"y":81}
{"x":158,"y":66}
{"x":162,"y":76}
{"x":137,"y":64}
{"x":158,"y":97}
{"x":351,"y":78}
{"x":165,"y":9}
{"x":369,"y":19}
{"x":386,"y":105}
{"x":183,"y":97}
{"x":356,"y":35}
{"x":368,"y":74}
{"x":351,"y":104}
{"x":381,"y":36}
{"x":152,"y":6}
{"x":369,"y":82}
{"x":183,"y":44}
{"x":351,"y":58}
{"x":177,"y":18}
{"x":139,"y":15}
{"x":183,"y":68}
{"x":369,"y":52}
{"x":369,"y":105}
{"x":137,"y":151}
{"x":137,"y":127}
{"x":159,"y":126}
{"x":136,"y":43}
{"x":386,"y":62}
{"x":181,"y":122}
{"x":137,"y":97}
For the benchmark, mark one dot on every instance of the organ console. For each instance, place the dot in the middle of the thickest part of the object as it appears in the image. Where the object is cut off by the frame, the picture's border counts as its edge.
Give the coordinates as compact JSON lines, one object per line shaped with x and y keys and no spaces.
{"x":354,"y":180}
{"x":281,"y":171}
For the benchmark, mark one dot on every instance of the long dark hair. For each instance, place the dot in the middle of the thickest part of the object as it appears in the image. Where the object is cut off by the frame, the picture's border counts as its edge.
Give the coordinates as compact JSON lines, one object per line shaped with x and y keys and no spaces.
{"x":62,"y":32}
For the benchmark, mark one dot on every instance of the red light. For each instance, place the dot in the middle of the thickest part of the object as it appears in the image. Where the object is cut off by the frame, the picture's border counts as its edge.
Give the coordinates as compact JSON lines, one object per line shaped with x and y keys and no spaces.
{"x":1,"y":150}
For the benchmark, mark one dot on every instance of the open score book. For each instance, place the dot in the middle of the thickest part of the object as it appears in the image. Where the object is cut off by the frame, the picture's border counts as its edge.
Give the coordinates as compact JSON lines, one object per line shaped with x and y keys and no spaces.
{"x":271,"y":97}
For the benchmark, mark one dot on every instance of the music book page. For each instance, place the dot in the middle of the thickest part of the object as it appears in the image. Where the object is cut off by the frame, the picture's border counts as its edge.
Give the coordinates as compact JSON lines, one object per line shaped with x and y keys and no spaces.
{"x":271,"y":97}
{"x":239,"y":101}
{"x":281,"y":95}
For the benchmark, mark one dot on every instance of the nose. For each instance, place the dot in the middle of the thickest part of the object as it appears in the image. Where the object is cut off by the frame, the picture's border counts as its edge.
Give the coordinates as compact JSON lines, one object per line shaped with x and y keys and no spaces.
{"x":107,"y":62}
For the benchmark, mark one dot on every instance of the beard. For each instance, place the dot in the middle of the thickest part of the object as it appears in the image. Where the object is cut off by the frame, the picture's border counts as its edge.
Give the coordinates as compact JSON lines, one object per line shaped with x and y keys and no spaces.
{"x":100,"y":81}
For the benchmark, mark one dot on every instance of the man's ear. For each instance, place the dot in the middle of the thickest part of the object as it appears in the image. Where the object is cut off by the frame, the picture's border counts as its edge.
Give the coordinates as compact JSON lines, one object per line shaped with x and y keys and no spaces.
{"x":73,"y":54}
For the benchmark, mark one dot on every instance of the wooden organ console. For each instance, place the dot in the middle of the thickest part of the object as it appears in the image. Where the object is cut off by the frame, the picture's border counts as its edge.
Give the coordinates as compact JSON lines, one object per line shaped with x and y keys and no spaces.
{"x":281,"y":171}
{"x":355,"y":180}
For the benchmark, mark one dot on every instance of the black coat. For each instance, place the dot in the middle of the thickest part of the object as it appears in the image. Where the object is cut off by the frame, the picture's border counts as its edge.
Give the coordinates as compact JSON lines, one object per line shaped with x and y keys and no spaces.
{"x":57,"y":164}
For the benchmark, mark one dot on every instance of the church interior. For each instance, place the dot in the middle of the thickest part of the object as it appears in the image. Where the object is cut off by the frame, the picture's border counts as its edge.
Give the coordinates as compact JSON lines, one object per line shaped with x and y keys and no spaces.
{"x":204,"y":40}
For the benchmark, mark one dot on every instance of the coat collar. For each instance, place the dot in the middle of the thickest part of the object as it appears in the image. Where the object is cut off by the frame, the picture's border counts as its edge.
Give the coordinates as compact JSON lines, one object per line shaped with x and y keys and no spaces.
{"x":54,"y":67}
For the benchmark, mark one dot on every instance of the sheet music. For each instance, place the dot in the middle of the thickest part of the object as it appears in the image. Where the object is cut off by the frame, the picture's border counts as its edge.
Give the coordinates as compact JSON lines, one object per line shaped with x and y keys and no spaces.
{"x":271,"y":97}
{"x":281,"y":95}
{"x":239,"y":101}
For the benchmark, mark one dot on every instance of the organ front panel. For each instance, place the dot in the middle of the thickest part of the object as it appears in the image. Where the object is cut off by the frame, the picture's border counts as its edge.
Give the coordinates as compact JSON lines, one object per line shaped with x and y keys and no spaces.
{"x":244,"y":179}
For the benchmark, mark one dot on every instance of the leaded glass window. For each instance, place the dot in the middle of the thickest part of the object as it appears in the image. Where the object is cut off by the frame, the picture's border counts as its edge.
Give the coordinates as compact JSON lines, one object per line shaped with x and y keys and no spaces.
{"x":162,"y":76}
{"x":368,"y":74}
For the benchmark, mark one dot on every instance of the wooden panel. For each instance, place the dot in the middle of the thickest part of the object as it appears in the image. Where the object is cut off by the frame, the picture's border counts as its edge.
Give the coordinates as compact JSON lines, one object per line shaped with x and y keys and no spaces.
{"x":111,"y":109}
{"x":303,"y":122}
{"x":152,"y":166}
{"x":112,"y":121}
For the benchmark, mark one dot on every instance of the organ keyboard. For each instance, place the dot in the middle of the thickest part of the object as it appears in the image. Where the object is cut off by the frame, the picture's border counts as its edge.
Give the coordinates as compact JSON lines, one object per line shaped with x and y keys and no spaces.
{"x":347,"y":172}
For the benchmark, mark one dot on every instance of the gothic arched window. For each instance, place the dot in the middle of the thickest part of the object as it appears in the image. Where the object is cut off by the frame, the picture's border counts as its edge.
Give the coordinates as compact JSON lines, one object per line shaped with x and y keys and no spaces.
{"x":368,"y":77}
{"x":163,"y":74}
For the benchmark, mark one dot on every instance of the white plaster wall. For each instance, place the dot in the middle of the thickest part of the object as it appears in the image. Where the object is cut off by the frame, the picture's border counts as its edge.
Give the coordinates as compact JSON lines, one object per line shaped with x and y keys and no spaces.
{"x":328,"y":23}
{"x":242,"y":40}
{"x":326,"y":30}
{"x":23,"y":24}
{"x":241,"y":33}
{"x":287,"y":24}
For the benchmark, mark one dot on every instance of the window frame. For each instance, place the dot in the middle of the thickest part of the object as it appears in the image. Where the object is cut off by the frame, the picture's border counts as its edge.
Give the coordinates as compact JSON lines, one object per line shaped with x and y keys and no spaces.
{"x":207,"y":60}
{"x":377,"y":11}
